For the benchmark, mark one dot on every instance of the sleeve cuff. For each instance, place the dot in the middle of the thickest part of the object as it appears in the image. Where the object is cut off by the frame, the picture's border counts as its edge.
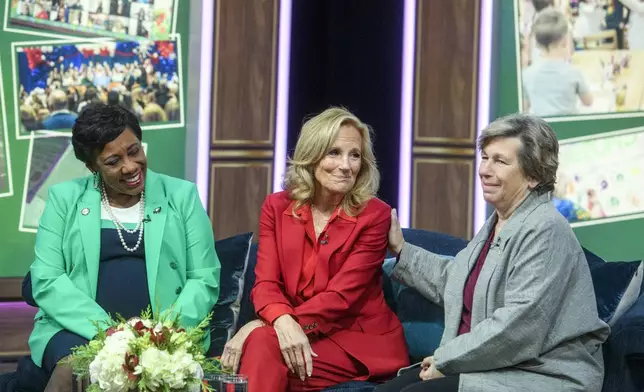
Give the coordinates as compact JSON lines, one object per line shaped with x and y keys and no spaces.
{"x":440,"y":364}
{"x":309,"y":325}
{"x":271,"y":312}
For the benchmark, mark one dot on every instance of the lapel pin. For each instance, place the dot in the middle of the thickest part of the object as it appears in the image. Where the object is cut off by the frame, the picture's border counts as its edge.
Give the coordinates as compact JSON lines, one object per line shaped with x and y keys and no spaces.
{"x":156,"y":210}
{"x":85,"y":211}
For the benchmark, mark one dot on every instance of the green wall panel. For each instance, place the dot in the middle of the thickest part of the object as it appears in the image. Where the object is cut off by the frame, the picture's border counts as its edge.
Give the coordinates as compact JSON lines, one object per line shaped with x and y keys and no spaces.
{"x":615,"y":241}
{"x":165,"y":143}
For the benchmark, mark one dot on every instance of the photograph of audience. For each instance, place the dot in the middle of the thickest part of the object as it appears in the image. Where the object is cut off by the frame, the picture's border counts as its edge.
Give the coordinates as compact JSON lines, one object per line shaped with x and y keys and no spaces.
{"x":581,"y":57}
{"x":56,"y":82}
{"x":147,"y":19}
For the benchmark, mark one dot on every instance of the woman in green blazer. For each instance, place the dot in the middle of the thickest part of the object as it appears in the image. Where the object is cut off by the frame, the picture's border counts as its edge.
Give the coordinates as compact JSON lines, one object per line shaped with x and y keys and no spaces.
{"x":116,"y":242}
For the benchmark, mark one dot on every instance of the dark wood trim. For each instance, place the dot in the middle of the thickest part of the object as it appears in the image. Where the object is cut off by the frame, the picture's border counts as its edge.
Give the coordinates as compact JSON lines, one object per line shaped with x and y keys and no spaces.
{"x":10,"y":289}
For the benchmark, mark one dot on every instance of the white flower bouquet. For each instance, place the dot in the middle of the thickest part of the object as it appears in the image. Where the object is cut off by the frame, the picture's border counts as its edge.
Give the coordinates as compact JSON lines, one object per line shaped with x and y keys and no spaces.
{"x":145,"y":354}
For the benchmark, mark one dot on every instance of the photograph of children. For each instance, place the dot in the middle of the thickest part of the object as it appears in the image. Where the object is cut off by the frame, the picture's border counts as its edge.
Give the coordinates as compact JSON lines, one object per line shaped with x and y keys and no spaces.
{"x":122,"y":19}
{"x":50,"y":161}
{"x":57,"y":81}
{"x":608,"y":186}
{"x":581,"y":57}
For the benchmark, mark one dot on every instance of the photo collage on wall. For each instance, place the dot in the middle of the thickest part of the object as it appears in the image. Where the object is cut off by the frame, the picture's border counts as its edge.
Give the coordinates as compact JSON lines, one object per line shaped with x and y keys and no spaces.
{"x":123,"y":19}
{"x":584,"y":61}
{"x":606,"y":188}
{"x":119,"y":52}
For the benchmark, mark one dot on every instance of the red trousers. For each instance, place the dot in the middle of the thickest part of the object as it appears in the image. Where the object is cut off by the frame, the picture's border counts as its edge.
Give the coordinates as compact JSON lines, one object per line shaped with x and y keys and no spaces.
{"x":262,"y":362}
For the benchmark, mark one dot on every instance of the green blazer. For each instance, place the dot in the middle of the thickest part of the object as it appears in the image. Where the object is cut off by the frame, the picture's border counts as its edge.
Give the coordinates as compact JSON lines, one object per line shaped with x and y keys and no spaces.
{"x":182,"y":265}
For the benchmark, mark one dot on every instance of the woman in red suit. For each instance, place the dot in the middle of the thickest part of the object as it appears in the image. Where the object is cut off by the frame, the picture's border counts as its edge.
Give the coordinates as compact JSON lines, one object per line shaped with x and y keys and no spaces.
{"x":323,"y":319}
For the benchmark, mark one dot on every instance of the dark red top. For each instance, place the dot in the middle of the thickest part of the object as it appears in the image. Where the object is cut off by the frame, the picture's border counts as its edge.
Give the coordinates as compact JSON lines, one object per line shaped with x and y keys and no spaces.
{"x":468,"y":291}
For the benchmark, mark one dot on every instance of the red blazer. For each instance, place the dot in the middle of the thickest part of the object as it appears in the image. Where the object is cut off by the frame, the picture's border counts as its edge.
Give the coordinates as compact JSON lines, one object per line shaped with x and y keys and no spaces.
{"x":348,"y":304}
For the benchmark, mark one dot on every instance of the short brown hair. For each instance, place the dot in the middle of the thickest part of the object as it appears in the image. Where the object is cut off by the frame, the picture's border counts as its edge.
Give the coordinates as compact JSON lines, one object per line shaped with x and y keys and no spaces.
{"x":539,"y":153}
{"x":542,"y":4}
{"x":550,"y":27}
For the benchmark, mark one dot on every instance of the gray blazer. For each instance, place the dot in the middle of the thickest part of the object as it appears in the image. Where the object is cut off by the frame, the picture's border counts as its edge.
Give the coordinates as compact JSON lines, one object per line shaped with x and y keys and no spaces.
{"x":535,"y":325}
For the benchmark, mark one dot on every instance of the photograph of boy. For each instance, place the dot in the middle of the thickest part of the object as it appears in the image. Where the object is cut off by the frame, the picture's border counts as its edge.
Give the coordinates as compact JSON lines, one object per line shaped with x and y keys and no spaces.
{"x":580,"y":57}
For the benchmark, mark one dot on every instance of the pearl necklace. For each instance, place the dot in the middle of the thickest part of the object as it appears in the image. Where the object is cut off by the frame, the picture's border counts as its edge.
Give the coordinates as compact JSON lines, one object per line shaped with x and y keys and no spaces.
{"x":119,"y":225}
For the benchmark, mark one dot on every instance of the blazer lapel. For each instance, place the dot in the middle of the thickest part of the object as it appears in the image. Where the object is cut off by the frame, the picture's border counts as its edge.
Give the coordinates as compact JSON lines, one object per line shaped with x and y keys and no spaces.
{"x":338,"y":233}
{"x":156,"y":208}
{"x":89,"y":221}
{"x":292,"y":244}
{"x":482,"y":287}
{"x":454,"y":305}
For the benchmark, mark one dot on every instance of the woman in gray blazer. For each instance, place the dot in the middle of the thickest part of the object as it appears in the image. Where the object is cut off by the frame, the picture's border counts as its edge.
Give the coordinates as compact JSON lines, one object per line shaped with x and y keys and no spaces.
{"x":520,"y":310}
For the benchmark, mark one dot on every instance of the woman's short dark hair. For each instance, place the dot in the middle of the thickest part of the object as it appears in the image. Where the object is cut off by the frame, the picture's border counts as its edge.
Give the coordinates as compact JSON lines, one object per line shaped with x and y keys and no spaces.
{"x":99,"y":124}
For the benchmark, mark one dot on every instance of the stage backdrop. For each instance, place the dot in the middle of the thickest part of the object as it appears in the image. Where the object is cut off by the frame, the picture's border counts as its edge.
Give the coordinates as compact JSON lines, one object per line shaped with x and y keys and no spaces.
{"x":596,"y":191}
{"x":136,"y":54}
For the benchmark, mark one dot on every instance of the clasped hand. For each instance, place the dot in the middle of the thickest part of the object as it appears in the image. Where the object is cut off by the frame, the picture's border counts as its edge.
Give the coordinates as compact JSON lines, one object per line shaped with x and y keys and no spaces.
{"x":294,"y":345}
{"x":233,"y":349}
{"x":428,"y":370}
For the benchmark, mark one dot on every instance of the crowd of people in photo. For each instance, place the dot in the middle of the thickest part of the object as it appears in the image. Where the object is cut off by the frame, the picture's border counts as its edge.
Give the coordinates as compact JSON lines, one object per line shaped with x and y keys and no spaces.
{"x":52,"y":98}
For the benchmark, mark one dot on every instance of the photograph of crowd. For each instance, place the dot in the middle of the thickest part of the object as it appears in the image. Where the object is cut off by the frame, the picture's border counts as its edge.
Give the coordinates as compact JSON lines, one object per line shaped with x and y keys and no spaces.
{"x":57,"y":81}
{"x":581,"y":57}
{"x":144,"y":19}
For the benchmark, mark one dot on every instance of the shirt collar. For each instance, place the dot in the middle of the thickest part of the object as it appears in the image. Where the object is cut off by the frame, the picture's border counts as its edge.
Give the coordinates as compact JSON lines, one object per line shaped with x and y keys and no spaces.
{"x":304,"y":213}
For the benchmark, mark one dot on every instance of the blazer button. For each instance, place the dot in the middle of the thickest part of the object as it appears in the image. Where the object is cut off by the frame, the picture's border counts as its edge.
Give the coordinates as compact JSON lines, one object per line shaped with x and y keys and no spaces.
{"x":173,"y":265}
{"x":178,"y":290}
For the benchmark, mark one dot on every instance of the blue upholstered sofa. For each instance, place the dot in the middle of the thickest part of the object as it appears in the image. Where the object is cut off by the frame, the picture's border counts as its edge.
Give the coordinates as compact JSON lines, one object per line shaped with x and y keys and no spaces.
{"x":423,"y":321}
{"x":618,"y":287}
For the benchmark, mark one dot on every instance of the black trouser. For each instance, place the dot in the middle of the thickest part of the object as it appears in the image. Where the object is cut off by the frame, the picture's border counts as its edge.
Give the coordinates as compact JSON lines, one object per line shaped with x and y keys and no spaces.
{"x":410,"y":382}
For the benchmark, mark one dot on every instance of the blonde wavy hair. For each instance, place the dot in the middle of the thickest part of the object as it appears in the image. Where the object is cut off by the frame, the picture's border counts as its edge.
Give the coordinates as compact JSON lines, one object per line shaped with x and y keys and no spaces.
{"x":316,"y":138}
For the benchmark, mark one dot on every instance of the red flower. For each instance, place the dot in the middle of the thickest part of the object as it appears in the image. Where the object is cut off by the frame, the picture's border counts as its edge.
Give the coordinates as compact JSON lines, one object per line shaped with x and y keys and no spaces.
{"x":131,"y":361}
{"x":112,"y":330}
{"x":140,"y":328}
{"x":157,"y":337}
